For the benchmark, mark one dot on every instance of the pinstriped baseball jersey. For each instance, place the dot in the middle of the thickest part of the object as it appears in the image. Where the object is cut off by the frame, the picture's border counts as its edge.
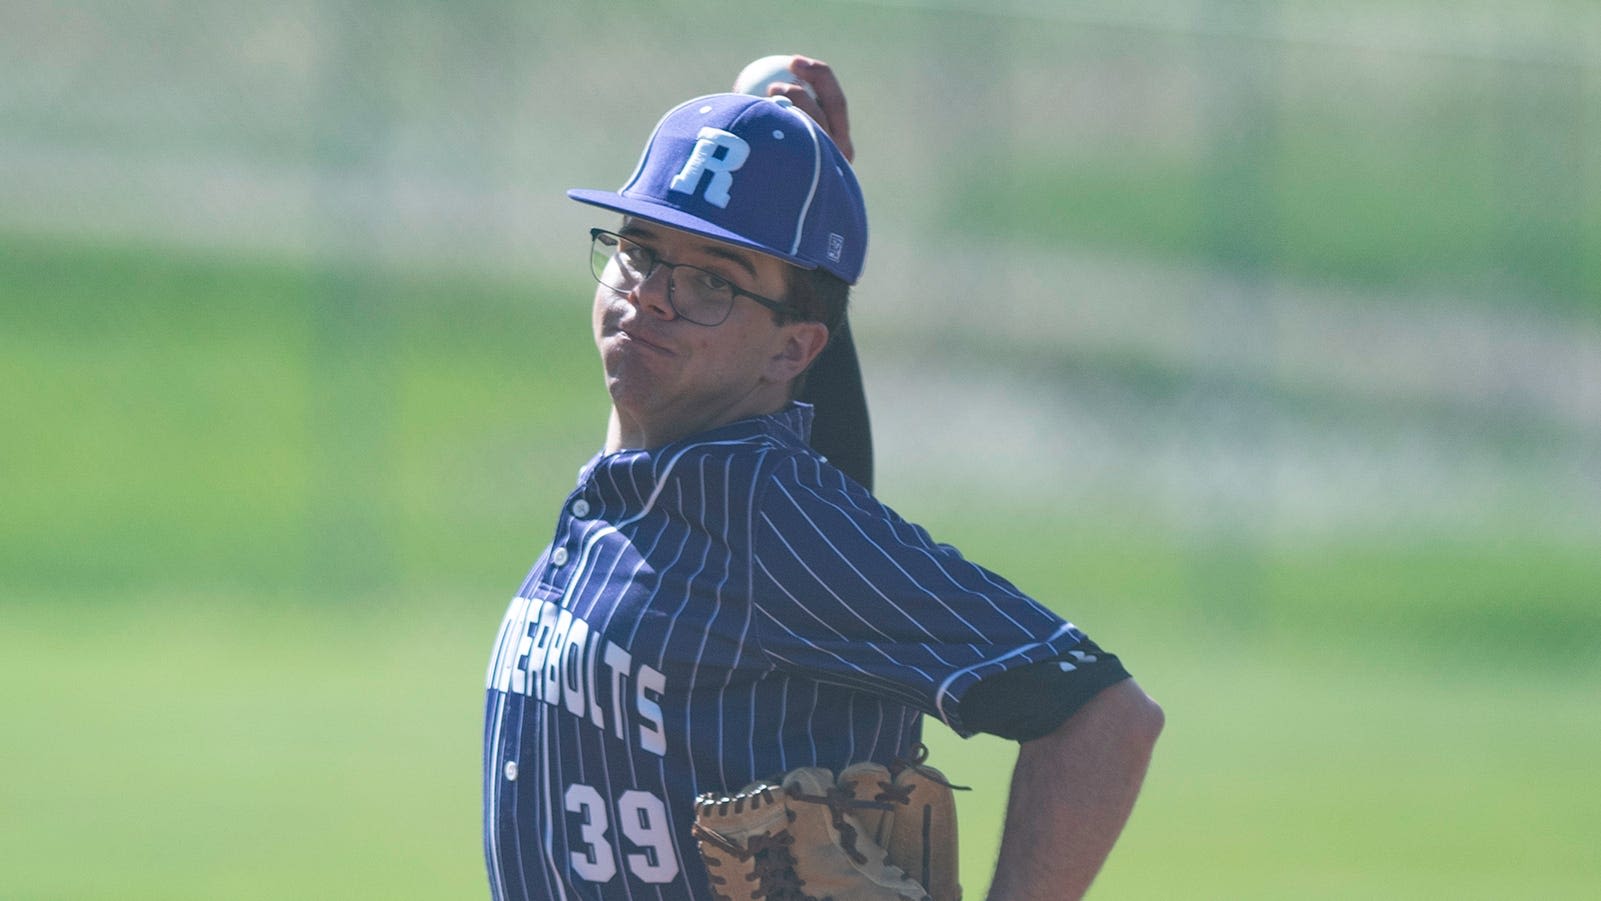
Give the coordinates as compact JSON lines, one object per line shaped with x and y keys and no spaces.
{"x":714,"y":611}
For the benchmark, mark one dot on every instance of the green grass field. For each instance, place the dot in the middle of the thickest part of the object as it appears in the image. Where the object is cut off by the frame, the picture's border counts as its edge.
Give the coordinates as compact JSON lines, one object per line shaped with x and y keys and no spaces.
{"x":215,"y":747}
{"x":252,"y":554}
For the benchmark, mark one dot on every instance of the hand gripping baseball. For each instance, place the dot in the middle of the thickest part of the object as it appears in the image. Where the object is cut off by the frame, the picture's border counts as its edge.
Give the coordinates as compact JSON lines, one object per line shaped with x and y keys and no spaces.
{"x":814,"y":89}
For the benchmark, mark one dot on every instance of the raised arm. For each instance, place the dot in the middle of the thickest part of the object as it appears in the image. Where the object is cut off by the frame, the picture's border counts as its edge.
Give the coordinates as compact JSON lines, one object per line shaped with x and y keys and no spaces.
{"x":829,"y":109}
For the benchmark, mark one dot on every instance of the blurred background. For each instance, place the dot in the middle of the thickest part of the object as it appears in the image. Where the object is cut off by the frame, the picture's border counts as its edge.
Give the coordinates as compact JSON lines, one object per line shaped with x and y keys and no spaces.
{"x":1262,"y":339}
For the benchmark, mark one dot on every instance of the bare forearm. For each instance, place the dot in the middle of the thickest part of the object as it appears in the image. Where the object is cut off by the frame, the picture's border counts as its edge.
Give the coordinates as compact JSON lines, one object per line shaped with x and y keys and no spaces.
{"x":1072,"y":792}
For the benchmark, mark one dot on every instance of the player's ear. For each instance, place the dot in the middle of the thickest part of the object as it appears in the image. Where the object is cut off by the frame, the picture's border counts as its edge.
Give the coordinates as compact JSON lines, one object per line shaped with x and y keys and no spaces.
{"x":799,"y":344}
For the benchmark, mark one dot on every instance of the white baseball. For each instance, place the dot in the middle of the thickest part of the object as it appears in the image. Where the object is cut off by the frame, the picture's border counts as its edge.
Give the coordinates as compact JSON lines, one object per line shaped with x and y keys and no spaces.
{"x":755,"y":78}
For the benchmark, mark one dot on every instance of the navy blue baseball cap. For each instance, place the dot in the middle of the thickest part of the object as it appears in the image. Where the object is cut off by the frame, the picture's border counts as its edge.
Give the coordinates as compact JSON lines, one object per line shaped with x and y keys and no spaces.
{"x":751,"y":171}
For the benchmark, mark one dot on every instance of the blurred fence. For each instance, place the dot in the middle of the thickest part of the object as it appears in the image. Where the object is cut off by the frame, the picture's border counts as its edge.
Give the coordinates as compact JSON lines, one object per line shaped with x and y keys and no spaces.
{"x":1241,"y":265}
{"x":1377,"y":143}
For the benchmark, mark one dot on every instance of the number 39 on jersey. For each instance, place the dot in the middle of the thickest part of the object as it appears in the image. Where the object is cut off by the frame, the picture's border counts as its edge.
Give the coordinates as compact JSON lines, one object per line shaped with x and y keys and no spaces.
{"x":641,"y":821}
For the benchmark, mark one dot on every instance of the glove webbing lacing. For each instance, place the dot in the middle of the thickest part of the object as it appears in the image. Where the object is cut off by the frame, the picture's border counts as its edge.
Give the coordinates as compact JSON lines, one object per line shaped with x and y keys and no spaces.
{"x":772,"y":861}
{"x":915,"y":762}
{"x":839,"y":800}
{"x":890,"y":794}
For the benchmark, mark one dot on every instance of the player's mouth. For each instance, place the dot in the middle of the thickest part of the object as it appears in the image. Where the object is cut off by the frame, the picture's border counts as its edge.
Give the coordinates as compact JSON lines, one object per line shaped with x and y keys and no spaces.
{"x":635,"y":336}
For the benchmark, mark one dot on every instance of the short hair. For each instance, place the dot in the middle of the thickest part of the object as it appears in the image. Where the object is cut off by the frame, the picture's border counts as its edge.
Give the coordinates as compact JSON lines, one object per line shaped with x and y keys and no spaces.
{"x":821,"y":296}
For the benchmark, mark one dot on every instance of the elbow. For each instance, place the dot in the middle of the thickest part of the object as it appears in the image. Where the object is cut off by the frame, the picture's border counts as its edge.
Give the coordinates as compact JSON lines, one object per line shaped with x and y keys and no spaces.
{"x":1140,"y":719}
{"x":1149,"y":720}
{"x":1122,"y":716}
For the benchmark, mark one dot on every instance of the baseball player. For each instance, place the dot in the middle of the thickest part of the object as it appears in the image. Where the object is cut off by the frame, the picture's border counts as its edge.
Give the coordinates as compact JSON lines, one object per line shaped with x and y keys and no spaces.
{"x":719,"y":604}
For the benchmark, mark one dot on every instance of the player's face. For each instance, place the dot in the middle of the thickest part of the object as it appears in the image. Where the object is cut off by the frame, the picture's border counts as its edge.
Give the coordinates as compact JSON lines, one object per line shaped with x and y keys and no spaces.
{"x":670,"y":378}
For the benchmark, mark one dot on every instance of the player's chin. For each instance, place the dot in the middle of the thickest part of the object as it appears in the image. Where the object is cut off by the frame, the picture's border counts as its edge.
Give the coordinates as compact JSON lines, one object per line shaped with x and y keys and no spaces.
{"x":632,"y":395}
{"x":632,"y":370}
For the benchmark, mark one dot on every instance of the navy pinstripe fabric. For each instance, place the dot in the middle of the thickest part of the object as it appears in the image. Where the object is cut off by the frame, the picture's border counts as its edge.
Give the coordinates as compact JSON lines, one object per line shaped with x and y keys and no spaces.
{"x":712,"y":612}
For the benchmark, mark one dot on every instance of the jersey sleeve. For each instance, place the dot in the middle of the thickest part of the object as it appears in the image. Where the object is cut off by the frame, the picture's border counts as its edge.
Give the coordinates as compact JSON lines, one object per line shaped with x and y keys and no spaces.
{"x":847,"y":592}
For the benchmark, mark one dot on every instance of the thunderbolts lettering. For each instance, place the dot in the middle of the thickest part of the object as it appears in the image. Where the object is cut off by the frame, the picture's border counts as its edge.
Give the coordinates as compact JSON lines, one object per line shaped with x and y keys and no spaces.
{"x":547,"y":653}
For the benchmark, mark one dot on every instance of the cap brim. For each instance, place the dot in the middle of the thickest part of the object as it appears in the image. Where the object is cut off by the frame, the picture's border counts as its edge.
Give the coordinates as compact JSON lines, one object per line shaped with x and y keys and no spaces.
{"x":673,"y":217}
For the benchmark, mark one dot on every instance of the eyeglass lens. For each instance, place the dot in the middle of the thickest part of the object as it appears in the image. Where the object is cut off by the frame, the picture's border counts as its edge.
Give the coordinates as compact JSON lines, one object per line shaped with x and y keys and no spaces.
{"x":695,"y":294}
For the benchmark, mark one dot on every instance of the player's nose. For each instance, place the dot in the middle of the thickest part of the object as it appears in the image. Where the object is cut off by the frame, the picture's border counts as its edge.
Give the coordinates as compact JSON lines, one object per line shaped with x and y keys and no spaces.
{"x":651,"y":295}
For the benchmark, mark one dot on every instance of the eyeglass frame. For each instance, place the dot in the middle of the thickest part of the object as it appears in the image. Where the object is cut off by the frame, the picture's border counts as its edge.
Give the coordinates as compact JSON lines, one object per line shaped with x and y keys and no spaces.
{"x":777,"y":306}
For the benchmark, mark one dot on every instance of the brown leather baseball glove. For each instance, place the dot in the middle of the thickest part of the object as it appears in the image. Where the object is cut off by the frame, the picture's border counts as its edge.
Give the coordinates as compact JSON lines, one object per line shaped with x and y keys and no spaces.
{"x":876,"y":834}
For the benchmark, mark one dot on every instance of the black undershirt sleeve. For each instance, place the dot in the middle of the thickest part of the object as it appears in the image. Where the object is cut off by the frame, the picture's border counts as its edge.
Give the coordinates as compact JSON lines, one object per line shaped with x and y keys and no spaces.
{"x":840,"y":430}
{"x":1031,"y":701}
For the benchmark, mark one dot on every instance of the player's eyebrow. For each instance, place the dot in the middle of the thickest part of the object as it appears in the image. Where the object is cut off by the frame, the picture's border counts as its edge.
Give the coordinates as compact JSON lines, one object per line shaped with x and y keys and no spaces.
{"x":634,"y":229}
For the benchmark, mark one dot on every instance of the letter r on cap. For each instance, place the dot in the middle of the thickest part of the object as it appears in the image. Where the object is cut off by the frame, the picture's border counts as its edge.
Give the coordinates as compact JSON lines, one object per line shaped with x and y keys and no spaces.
{"x":704,"y":159}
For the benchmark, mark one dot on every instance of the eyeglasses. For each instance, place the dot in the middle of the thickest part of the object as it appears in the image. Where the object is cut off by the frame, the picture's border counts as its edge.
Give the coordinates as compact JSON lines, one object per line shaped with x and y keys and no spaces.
{"x":696,"y":295}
